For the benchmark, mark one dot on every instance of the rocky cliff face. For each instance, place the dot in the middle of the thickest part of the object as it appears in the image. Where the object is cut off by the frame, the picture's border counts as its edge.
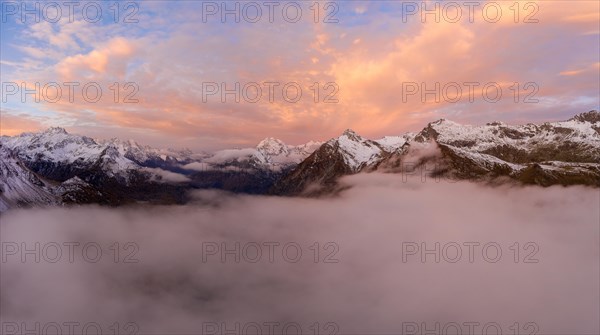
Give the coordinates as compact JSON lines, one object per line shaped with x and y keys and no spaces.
{"x":563,"y":153}
{"x":19,"y":186}
{"x":54,"y":167}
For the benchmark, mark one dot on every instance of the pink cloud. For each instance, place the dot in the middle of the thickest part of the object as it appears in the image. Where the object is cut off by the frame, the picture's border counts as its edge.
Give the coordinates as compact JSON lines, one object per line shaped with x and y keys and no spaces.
{"x":170,"y":66}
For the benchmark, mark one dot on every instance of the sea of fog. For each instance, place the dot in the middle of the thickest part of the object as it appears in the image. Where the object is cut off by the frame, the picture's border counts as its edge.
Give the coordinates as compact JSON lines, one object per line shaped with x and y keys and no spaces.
{"x":383,"y":257}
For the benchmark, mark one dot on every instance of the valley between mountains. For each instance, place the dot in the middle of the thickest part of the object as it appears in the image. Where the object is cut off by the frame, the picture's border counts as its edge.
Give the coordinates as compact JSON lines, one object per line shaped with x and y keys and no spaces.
{"x":54,"y":167}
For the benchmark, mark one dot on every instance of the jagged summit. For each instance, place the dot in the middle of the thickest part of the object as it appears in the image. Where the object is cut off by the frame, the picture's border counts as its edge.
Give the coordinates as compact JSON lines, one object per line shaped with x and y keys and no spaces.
{"x":350,"y":132}
{"x":356,"y":150}
{"x":444,"y":122}
{"x":439,"y":121}
{"x":56,"y":130}
{"x":270,"y":147}
{"x":270,"y":142}
{"x":78,"y":169}
{"x":350,"y":135}
{"x":592,"y":116}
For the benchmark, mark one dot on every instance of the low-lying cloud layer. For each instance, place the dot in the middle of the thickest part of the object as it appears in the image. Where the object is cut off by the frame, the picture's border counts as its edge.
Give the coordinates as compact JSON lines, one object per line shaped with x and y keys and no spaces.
{"x":366,"y":278}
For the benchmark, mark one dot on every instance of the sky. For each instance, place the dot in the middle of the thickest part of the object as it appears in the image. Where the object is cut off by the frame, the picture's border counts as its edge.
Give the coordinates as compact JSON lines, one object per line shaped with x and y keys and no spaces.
{"x":186,"y":74}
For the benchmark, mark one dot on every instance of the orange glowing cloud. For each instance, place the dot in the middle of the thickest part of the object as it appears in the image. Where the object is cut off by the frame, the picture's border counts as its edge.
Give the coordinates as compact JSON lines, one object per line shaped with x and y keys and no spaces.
{"x":108,"y":57}
{"x":11,"y":125}
{"x":368,"y":63}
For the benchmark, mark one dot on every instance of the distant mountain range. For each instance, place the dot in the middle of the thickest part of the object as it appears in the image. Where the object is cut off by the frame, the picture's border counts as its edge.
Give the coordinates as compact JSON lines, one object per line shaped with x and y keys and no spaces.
{"x":57,"y":168}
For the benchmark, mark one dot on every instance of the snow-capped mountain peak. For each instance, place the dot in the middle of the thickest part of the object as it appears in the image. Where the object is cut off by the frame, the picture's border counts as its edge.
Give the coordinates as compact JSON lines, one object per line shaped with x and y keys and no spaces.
{"x":578,"y":130}
{"x":591,"y":116}
{"x":272,"y":147}
{"x":56,"y":130}
{"x":55,"y":166}
{"x":357,"y":151}
{"x":351,"y":134}
{"x":270,"y":154}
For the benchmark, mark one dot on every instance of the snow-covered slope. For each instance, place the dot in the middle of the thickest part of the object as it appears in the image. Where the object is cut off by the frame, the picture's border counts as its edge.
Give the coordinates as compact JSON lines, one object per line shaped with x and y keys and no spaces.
{"x":54,"y":166}
{"x":270,"y":154}
{"x":277,"y":153}
{"x":59,"y":155}
{"x":146,"y":155}
{"x":54,"y":144}
{"x":522,"y":143}
{"x":393,"y":143}
{"x":20,"y":187}
{"x":566,"y":152}
{"x":79,"y":169}
{"x":347,"y":154}
{"x":357,"y":151}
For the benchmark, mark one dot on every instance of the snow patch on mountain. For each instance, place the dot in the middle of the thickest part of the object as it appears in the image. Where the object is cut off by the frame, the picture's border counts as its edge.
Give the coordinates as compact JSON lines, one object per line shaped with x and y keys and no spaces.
{"x":143,"y":154}
{"x":19,"y":186}
{"x":55,"y":145}
{"x":357,"y":151}
{"x":270,"y":154}
{"x":483,"y":160}
{"x":393,"y":143}
{"x":272,"y":147}
{"x":481,"y":138}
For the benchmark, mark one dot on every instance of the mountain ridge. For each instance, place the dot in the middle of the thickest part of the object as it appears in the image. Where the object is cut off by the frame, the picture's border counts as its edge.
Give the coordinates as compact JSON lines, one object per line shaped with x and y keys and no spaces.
{"x":57,"y":167}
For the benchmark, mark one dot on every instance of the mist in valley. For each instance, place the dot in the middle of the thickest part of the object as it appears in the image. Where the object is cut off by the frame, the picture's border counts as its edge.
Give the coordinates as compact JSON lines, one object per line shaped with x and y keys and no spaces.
{"x":385,"y":256}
